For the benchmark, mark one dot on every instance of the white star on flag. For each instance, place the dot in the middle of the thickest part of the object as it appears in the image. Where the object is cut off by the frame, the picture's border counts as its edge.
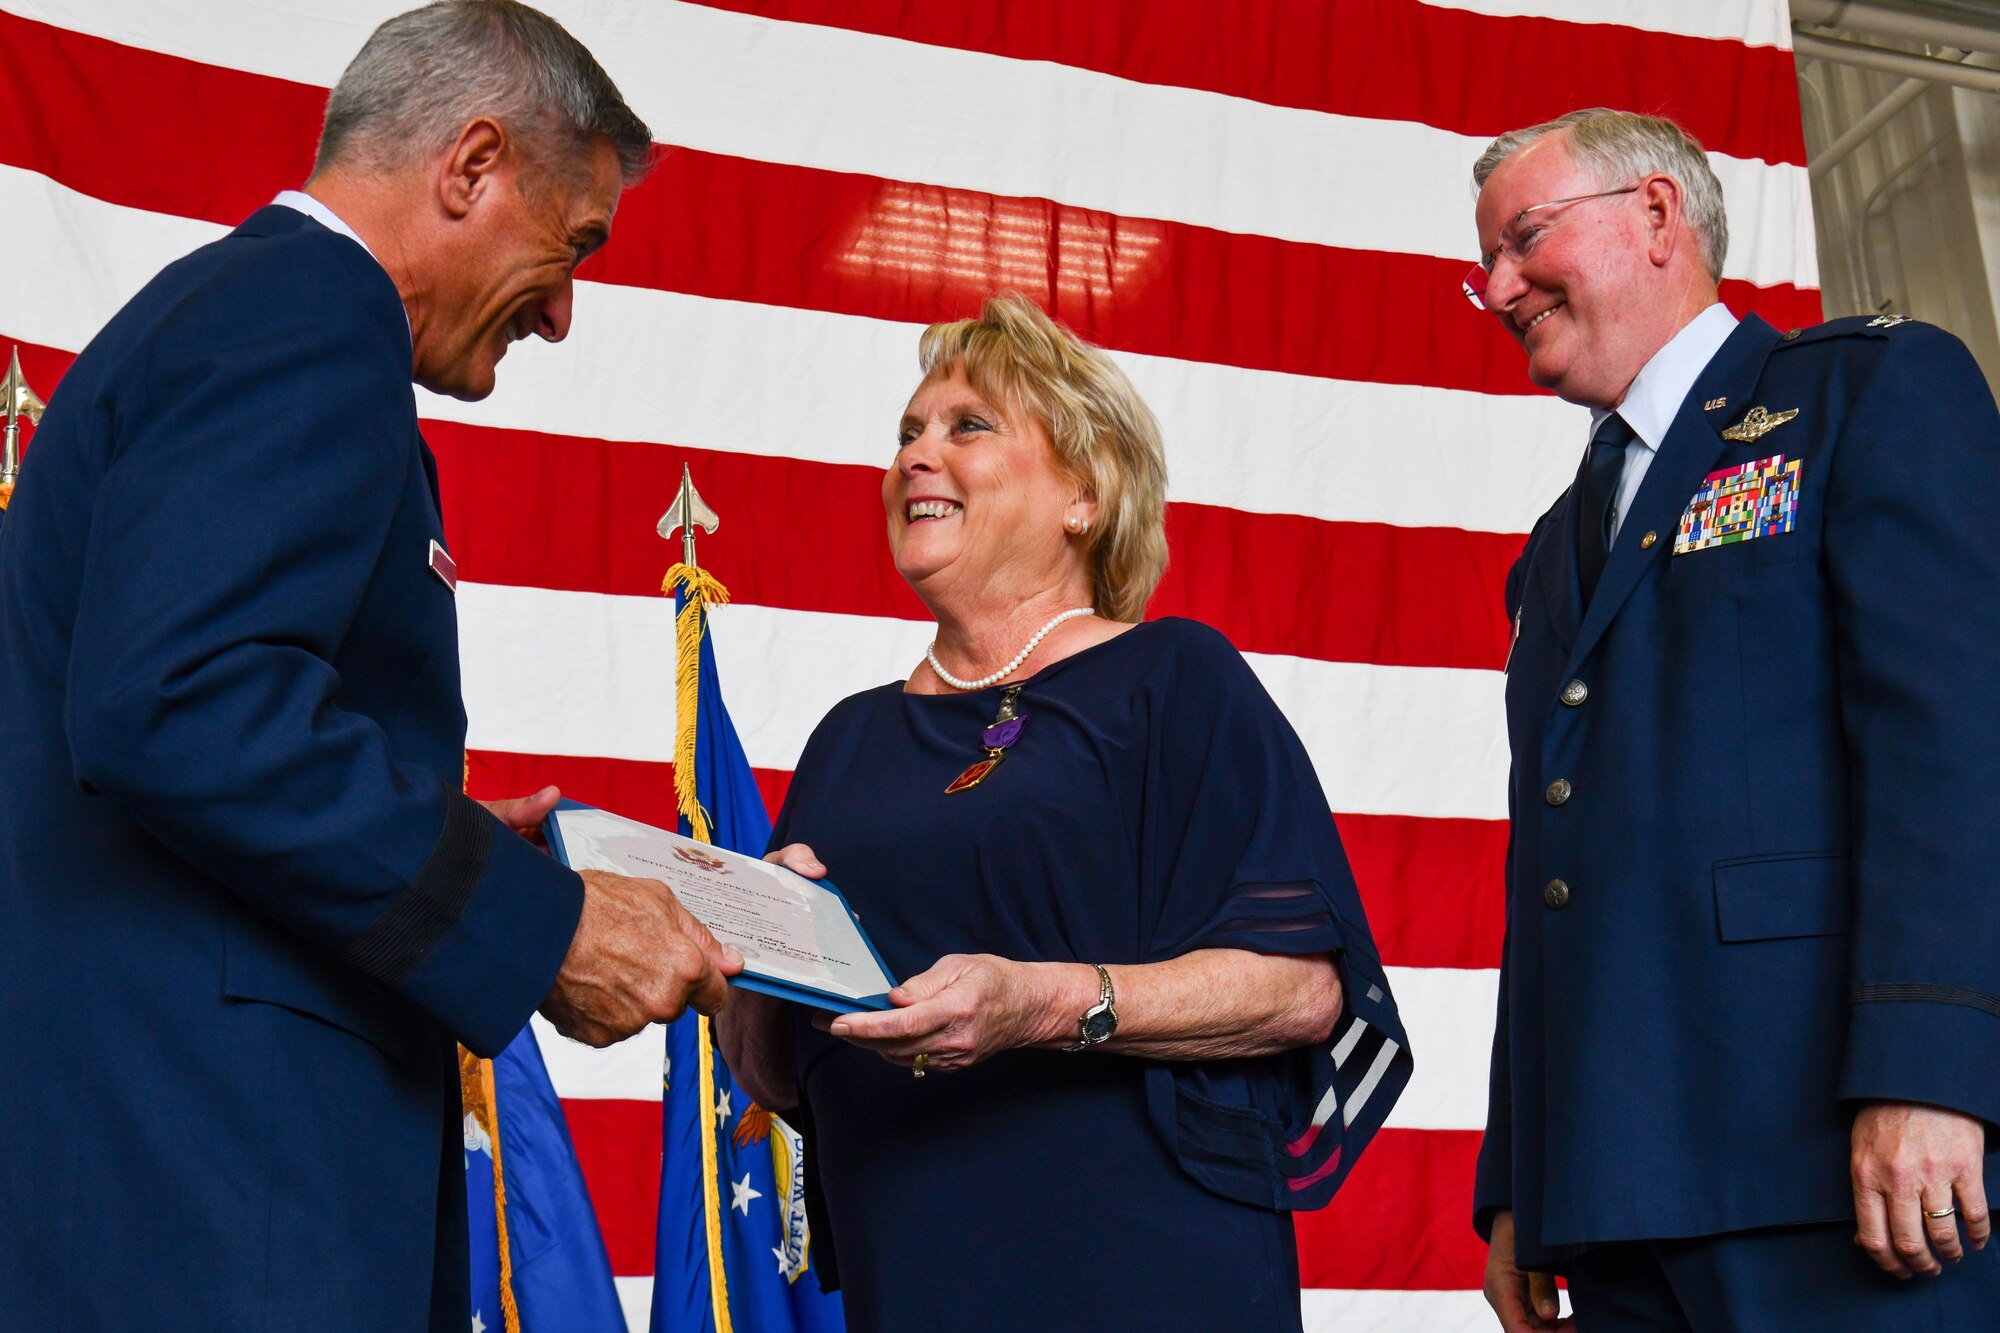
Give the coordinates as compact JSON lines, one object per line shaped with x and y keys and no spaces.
{"x":784,"y":1264}
{"x":740,"y":1194}
{"x":478,"y":1324}
{"x":722,"y":1105}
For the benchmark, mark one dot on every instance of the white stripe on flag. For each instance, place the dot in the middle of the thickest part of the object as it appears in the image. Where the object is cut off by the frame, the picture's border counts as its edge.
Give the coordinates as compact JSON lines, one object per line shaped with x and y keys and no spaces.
{"x":1396,"y":1311}
{"x":1752,"y":22}
{"x":635,"y":1297}
{"x":659,"y":366}
{"x":573,"y":673}
{"x":840,"y":100}
{"x":650,"y":365}
{"x":632,"y":1070}
{"x":1448,"y":1013}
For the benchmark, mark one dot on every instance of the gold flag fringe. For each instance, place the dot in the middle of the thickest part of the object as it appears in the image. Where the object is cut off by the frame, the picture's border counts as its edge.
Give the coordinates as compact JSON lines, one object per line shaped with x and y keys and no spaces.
{"x":701,"y":588}
{"x":476,"y":1091}
{"x":477,"y":1095}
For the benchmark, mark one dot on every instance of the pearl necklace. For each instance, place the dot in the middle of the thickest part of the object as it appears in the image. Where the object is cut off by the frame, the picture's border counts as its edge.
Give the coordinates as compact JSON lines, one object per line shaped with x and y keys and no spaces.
{"x":930,"y":655}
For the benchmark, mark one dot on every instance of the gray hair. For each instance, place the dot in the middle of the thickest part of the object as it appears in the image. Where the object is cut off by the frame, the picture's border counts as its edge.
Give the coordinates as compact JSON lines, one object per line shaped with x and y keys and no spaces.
{"x":423,"y":76}
{"x":1619,"y":147}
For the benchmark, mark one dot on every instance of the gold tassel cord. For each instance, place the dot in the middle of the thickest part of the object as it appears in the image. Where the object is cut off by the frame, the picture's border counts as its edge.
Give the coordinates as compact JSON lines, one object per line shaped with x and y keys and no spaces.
{"x":701,"y":589}
{"x":711,"y":1190}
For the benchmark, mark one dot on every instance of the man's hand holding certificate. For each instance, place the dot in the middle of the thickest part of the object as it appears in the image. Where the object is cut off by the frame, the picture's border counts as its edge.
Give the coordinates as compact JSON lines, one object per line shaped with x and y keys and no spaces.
{"x":797,"y":937}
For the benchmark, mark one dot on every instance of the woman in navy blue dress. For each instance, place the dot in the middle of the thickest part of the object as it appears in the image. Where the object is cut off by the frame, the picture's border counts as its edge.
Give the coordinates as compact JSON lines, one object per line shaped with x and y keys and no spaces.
{"x":1143,"y":1018}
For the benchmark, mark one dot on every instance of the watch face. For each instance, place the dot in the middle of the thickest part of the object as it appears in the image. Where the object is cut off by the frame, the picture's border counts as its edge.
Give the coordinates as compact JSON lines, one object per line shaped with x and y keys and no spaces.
{"x":1099,"y":1027}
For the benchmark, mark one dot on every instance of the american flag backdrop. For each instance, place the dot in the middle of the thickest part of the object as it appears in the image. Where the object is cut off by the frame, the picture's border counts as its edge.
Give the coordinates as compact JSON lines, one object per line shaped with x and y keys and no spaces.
{"x":1262,"y":206}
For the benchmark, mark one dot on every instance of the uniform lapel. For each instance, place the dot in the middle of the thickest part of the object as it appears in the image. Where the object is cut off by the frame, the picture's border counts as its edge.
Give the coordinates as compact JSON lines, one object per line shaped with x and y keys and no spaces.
{"x":431,"y":475}
{"x":1690,"y":452}
{"x":1555,"y":571}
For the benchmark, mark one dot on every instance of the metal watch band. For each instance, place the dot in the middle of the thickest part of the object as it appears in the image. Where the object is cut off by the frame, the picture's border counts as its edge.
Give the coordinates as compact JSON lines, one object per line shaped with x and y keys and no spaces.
{"x":1105,"y":998}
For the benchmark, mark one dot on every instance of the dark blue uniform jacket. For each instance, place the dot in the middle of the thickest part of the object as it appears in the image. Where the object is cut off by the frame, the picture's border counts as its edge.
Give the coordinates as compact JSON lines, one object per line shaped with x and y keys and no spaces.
{"x":1754,"y":876}
{"x":244,"y":908}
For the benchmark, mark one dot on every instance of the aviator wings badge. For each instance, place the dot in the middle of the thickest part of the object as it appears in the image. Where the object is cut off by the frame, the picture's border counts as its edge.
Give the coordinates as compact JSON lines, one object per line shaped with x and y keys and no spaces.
{"x":1756,"y":424}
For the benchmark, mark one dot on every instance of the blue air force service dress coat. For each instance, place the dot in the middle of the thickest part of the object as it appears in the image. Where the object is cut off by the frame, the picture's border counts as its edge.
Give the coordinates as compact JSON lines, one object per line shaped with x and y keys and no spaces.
{"x":244,"y":907}
{"x":1752,"y":873}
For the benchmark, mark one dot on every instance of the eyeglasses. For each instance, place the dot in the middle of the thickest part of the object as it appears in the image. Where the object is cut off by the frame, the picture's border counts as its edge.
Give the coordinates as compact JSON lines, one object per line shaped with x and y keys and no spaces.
{"x":1520,"y":244}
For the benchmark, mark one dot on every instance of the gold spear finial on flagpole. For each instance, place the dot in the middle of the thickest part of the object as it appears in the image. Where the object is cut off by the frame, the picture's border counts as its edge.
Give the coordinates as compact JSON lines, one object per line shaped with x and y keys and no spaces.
{"x":17,"y":400}
{"x":697,"y":590}
{"x":684,"y":515}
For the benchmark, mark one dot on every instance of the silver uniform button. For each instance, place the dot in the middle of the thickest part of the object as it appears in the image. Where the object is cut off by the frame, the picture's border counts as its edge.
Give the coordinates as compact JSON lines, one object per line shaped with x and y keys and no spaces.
{"x":1559,"y":791}
{"x":1556,"y":894}
{"x":1575,"y":693}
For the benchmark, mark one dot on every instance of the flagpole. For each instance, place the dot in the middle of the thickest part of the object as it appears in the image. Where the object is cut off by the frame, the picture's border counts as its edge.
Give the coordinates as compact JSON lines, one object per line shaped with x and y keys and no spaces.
{"x":696,"y":588}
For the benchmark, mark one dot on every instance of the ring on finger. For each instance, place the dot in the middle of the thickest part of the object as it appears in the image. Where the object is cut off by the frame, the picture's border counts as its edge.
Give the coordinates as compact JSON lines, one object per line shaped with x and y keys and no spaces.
{"x":1935,"y":1213}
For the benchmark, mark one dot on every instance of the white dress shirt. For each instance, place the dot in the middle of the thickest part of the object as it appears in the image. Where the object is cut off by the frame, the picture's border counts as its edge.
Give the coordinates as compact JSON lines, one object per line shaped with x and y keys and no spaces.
{"x":1655,"y":398}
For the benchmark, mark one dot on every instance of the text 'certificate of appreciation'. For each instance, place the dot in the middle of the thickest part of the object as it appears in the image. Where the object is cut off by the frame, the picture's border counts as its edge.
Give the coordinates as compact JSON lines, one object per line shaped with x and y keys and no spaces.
{"x":798,"y":938}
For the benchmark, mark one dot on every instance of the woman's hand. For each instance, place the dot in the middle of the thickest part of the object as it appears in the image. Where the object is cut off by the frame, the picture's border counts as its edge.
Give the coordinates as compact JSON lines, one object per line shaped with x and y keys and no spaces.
{"x":797,"y":856}
{"x":968,"y":1007}
{"x":754,"y":1030}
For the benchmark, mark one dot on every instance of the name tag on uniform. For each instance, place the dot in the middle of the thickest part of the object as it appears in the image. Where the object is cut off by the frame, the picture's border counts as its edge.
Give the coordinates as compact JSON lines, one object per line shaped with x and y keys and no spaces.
{"x":1757,"y":499}
{"x":444,"y":567}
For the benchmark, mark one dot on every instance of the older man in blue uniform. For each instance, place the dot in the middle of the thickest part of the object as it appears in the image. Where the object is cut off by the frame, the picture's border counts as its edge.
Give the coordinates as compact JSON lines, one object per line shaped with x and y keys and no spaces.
{"x":244,"y":907}
{"x":1747,"y":1064}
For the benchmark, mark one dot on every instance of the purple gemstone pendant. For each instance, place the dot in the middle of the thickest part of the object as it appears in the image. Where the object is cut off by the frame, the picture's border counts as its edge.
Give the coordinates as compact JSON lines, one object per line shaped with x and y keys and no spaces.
{"x":1002,"y":734}
{"x":1006,"y":729}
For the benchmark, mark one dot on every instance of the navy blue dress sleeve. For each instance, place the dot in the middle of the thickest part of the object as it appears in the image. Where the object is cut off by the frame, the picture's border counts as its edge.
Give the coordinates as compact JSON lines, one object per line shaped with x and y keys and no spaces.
{"x":1241,"y":848}
{"x":1915,"y":497}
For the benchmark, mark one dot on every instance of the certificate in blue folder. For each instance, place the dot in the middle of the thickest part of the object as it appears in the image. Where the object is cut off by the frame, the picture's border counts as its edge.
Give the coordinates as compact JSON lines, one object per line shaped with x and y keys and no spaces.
{"x":798,"y":937}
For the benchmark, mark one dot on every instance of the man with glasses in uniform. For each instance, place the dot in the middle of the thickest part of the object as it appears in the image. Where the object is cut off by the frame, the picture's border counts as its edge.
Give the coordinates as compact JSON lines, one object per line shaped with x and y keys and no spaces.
{"x":1747,"y":1063}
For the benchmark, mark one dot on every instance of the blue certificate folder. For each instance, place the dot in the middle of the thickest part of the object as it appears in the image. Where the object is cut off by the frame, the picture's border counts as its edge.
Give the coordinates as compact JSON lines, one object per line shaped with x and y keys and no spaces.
{"x":712,"y":860}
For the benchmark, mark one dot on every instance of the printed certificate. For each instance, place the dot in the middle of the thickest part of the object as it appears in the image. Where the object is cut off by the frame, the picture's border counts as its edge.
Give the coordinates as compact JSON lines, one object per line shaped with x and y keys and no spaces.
{"x":798,"y":938}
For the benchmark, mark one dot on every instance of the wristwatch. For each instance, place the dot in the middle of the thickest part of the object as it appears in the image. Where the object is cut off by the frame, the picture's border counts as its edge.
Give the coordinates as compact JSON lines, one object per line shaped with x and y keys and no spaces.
{"x":1100,"y":1020}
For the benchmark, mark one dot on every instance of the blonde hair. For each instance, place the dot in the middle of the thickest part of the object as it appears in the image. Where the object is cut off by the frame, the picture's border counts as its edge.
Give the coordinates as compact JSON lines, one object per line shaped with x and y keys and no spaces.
{"x":1618,"y":147}
{"x":1105,"y":437}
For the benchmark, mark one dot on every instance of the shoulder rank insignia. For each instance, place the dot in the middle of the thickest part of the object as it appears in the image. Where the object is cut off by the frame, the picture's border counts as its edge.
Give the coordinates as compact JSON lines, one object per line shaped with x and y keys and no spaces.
{"x":1887,"y":321}
{"x":1756,"y":424}
{"x":1758,"y":499}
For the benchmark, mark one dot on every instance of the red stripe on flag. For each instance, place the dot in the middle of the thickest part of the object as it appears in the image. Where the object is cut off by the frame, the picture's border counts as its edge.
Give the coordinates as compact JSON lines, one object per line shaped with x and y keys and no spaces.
{"x":632,"y":787}
{"x":708,"y":225}
{"x":618,"y":1147}
{"x":1402,"y":1221}
{"x":1432,"y":886}
{"x":1404,"y":596}
{"x":1382,"y":59}
{"x":1364,"y":592}
{"x":151,"y":131}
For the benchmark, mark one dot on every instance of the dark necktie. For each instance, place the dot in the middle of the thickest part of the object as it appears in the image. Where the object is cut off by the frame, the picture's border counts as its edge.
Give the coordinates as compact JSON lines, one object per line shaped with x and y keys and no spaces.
{"x":1601,"y":472}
